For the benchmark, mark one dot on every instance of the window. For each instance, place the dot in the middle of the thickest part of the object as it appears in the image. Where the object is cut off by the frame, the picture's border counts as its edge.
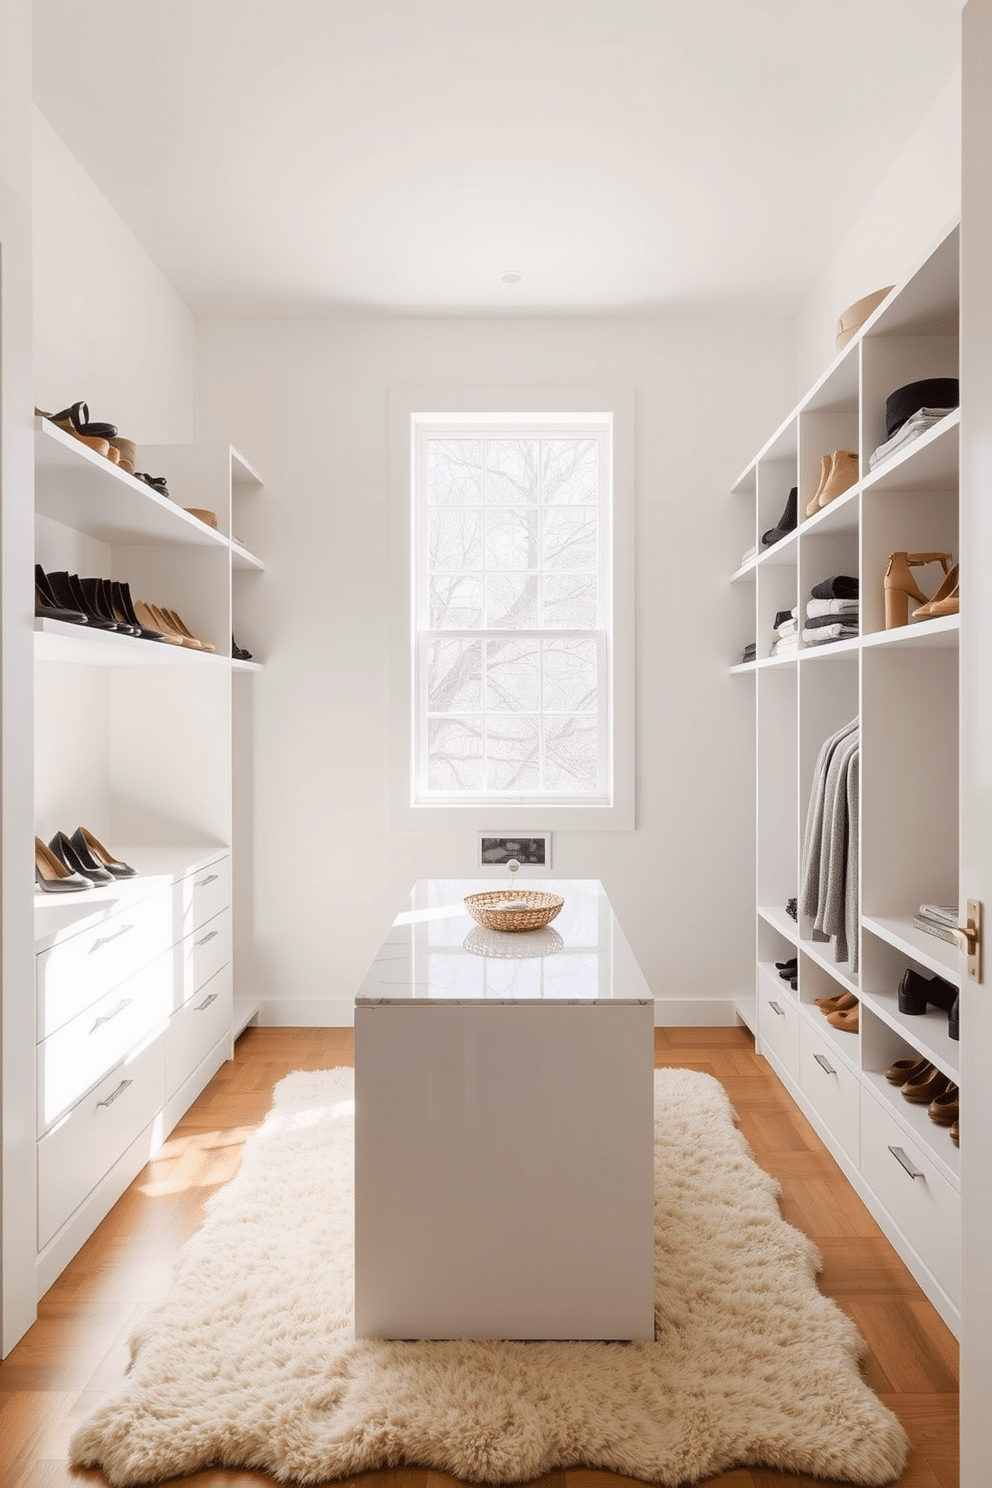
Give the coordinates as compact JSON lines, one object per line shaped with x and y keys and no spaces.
{"x":512,"y":598}
{"x":513,"y":619}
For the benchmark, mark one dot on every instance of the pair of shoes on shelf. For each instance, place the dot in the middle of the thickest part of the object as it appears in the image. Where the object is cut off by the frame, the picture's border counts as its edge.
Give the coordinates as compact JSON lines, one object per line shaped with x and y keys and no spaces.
{"x":238,"y":652}
{"x":900,"y":586}
{"x":841,"y":1011}
{"x":101,"y":604}
{"x":170,"y":626}
{"x":917,"y":992}
{"x":103,"y":439}
{"x":68,"y":864}
{"x":847,"y":1018}
{"x":838,"y":473}
{"x":786,"y":523}
{"x":156,"y":482}
{"x":923,"y":1084}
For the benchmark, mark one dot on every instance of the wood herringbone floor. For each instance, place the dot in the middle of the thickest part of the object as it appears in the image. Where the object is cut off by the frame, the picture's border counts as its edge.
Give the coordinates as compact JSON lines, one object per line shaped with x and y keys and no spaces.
{"x":77,"y":1349}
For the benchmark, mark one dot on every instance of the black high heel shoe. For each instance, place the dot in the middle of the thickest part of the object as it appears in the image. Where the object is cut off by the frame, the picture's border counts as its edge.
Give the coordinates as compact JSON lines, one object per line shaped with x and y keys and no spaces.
{"x":90,"y":849}
{"x":786,"y":522}
{"x":917,"y":992}
{"x":67,"y":855}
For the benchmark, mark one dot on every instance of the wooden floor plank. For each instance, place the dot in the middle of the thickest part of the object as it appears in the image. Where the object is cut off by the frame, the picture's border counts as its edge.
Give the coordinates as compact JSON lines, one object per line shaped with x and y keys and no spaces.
{"x":78,"y":1348}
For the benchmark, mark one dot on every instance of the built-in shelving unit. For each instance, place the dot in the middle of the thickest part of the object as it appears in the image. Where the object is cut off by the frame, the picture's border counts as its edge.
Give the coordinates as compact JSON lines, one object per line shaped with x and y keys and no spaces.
{"x":902,"y":686}
{"x":134,"y":739}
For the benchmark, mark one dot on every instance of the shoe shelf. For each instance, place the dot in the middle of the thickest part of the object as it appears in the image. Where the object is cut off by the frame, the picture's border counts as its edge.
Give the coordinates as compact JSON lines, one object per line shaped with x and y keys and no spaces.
{"x":59,"y":916}
{"x":780,"y":921}
{"x":938,"y":956}
{"x":941,"y":634}
{"x":890,"y":679}
{"x":82,"y":490}
{"x":57,"y":641}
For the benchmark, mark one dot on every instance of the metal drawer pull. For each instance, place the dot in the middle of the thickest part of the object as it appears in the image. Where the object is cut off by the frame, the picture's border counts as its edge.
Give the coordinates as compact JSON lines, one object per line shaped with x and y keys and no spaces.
{"x":204,"y":881}
{"x":901,"y":1157}
{"x":114,"y":1094}
{"x":211,"y":936}
{"x":106,"y":1017}
{"x":206,"y":1002}
{"x":824,"y":1063}
{"x":776,"y":1009}
{"x":106,"y":939}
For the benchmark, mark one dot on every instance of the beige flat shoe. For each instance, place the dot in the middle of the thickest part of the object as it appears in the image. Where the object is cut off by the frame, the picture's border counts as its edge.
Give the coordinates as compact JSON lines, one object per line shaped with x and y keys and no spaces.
{"x":839,"y":1004}
{"x":848,"y":1020}
{"x":179,"y":625}
{"x":148,"y":617}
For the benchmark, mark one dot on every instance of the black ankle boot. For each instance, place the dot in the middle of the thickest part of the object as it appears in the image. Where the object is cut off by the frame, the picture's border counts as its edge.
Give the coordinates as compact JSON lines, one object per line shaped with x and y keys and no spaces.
{"x":786,"y":522}
{"x":953,"y":1026}
{"x":916,"y":992}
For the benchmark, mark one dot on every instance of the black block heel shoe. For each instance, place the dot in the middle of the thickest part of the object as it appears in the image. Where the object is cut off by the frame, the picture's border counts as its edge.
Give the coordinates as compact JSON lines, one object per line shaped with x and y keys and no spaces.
{"x":953,"y":1024}
{"x":917,"y":992}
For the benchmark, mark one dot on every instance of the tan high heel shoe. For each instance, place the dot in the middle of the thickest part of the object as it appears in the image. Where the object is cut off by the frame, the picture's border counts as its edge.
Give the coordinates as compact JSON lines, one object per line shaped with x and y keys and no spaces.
{"x":946,"y":601}
{"x":899,"y":584}
{"x":843,"y":475}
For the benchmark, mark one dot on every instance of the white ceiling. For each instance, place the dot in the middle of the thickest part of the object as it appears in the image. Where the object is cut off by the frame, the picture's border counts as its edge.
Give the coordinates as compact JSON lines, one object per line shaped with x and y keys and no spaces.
{"x":329,"y":156}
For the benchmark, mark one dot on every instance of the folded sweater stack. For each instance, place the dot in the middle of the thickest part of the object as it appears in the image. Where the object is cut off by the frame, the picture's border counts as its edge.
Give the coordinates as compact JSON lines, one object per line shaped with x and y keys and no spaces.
{"x":832,"y":611}
{"x":786,"y":628}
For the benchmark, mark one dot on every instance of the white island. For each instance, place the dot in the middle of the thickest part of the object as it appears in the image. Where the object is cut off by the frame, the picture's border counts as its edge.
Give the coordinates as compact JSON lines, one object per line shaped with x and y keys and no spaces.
{"x":504,"y":1129}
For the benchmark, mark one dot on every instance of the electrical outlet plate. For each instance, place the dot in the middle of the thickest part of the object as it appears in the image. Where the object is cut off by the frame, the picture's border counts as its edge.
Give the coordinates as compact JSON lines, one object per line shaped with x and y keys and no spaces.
{"x":530,"y":851}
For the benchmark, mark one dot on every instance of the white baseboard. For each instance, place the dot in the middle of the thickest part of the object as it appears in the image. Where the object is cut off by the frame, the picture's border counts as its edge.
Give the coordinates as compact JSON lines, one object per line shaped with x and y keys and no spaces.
{"x":330,"y":1013}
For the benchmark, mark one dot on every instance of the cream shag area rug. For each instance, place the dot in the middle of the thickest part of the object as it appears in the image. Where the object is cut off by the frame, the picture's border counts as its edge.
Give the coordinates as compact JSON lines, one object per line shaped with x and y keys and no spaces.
{"x":251,"y":1361}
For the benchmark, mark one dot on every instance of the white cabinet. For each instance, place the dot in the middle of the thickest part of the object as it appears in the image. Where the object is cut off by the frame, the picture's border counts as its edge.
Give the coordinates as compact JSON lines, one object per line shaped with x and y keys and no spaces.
{"x":901,"y":684}
{"x":134,"y":740}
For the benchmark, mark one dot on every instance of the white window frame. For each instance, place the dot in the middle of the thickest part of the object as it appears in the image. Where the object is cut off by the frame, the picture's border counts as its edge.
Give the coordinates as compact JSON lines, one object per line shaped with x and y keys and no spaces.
{"x":509,"y":411}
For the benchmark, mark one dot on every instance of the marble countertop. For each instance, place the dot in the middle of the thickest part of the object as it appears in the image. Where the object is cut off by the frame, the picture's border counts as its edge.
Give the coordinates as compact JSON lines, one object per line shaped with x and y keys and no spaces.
{"x":436,"y":953}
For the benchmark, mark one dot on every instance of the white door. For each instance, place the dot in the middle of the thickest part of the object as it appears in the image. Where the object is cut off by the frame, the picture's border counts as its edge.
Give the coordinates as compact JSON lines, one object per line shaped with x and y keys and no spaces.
{"x":976,"y":734}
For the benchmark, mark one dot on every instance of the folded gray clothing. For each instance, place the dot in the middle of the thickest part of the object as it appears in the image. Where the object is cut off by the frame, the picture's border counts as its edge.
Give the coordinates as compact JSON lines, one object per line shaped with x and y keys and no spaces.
{"x":816,"y":607}
{"x":840,"y":586}
{"x":910,"y":430}
{"x":818,"y":622}
{"x":830,"y":633}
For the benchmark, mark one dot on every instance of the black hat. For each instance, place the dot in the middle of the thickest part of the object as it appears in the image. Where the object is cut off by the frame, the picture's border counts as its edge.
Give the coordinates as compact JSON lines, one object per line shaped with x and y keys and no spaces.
{"x":932,"y":392}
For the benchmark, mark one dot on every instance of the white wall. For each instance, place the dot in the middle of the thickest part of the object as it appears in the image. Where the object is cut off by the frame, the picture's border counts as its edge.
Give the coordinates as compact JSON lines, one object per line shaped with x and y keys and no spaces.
{"x":916,"y":202}
{"x":108,"y":327}
{"x":307,"y":403}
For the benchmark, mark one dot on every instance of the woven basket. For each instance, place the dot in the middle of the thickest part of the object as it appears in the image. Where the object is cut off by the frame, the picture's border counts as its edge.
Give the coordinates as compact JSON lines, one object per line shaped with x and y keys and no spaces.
{"x":540,"y":908}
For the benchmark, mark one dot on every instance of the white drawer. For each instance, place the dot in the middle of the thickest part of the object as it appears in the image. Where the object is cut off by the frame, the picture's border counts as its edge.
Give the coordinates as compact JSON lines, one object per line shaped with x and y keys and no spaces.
{"x":778,"y":1023}
{"x":832,"y":1089}
{"x":202,"y":895}
{"x":196,"y":1027}
{"x":81,"y":1052}
{"x":71,"y":975}
{"x":201,"y":955}
{"x":74,"y":1157}
{"x":925,"y":1207}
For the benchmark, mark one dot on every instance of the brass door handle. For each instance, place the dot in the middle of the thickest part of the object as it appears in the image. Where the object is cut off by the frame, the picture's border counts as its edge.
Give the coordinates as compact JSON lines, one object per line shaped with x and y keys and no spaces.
{"x":969,"y":939}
